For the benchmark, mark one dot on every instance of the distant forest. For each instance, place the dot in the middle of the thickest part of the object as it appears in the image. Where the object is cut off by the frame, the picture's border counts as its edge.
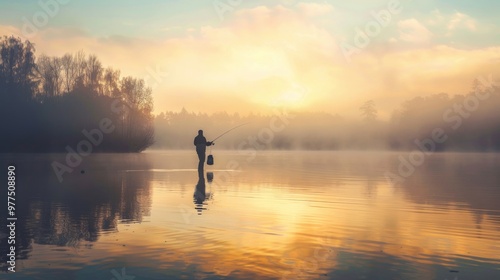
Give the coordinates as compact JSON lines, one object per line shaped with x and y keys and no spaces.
{"x":469,"y":122}
{"x":50,"y":103}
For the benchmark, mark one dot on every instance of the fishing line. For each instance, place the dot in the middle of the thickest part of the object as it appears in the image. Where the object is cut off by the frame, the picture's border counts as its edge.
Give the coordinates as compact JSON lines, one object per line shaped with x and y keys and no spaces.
{"x":229,"y":131}
{"x":210,"y":159}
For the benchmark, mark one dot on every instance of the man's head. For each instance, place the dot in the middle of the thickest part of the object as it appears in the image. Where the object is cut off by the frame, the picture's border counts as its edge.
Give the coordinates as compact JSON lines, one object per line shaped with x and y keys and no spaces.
{"x":200,"y":132}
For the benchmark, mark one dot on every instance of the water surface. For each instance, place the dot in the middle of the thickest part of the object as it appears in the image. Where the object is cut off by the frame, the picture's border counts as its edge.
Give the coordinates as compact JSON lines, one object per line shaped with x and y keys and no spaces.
{"x":272,"y":215}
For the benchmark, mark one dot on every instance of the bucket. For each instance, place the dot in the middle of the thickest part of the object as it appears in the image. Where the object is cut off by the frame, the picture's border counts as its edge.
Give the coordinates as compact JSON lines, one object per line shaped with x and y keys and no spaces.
{"x":210,"y":177}
{"x":210,"y":160}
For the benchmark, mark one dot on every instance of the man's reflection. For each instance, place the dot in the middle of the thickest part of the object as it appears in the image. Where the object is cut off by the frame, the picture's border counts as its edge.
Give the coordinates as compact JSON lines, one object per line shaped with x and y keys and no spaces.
{"x":200,"y":193}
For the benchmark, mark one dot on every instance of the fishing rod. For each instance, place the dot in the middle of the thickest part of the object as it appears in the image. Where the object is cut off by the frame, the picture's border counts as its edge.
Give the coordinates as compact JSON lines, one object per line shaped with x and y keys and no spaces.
{"x":229,"y":131}
{"x":210,"y":158}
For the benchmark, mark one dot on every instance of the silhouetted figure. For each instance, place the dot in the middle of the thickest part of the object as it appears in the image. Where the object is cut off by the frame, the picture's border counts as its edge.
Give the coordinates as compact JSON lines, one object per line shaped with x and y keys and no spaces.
{"x":201,"y":146}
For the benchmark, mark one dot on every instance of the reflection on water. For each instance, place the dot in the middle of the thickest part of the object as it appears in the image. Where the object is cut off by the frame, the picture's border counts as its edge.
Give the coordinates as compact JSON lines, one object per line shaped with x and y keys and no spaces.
{"x":201,"y":196}
{"x":281,"y":215}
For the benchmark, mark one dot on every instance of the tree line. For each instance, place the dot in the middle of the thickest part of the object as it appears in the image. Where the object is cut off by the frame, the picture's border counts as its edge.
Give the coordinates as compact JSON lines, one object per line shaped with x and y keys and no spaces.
{"x":46,"y":102}
{"x":466,"y":122}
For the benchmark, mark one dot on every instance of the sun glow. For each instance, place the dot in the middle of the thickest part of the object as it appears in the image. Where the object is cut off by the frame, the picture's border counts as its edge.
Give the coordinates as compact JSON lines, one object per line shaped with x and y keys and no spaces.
{"x":294,"y":97}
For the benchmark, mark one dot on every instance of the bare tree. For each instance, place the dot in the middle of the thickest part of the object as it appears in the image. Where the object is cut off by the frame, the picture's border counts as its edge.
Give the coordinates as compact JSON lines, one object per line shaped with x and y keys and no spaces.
{"x":93,"y":73}
{"x":140,"y":101}
{"x":80,"y":65}
{"x":50,"y":69}
{"x":111,"y":83}
{"x":69,"y":72}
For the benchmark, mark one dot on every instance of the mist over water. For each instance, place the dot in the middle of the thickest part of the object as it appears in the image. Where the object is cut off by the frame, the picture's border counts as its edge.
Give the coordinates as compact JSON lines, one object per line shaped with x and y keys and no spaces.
{"x":274,"y":215}
{"x":468,"y":122}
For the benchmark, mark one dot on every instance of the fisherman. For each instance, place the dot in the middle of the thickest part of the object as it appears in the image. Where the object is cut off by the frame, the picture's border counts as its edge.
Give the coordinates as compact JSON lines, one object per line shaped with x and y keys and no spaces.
{"x":201,"y":146}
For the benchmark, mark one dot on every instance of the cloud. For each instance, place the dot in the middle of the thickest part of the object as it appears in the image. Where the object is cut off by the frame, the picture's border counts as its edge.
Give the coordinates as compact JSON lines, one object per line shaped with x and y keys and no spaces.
{"x":452,"y":22}
{"x":262,"y":54}
{"x":411,"y":30}
{"x":9,"y":30}
{"x":459,"y":20}
{"x":314,"y":9}
{"x":436,"y":18}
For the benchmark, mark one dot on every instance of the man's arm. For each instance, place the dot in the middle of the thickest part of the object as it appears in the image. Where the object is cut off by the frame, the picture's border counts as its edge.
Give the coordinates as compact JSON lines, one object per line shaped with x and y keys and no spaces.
{"x":204,"y":140}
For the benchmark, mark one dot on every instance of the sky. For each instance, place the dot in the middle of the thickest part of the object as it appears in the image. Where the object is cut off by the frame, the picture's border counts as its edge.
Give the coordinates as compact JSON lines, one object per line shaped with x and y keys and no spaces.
{"x":252,"y":56}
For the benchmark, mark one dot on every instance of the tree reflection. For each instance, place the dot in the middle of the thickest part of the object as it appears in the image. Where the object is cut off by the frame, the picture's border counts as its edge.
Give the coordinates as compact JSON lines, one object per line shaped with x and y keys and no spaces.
{"x":82,"y":206}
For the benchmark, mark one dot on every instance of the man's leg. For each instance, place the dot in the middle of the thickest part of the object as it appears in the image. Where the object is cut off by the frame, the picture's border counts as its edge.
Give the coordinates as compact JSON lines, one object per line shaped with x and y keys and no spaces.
{"x":201,"y":157}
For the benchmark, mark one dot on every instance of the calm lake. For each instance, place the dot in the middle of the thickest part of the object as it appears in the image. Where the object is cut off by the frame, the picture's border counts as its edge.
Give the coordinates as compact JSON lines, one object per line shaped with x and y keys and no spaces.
{"x":272,"y":215}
